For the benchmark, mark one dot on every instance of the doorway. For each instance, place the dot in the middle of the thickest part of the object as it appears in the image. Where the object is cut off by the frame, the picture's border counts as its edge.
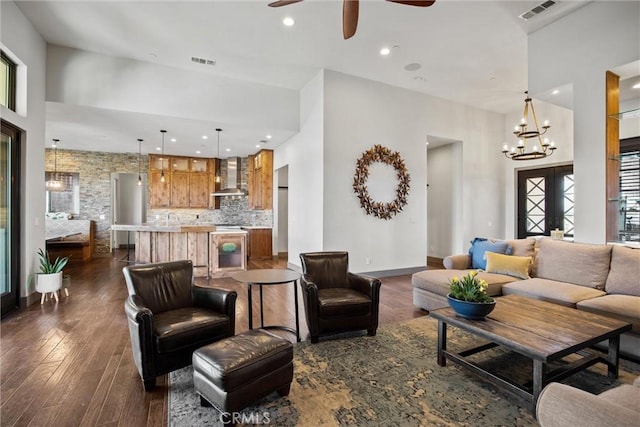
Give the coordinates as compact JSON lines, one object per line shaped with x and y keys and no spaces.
{"x":444,"y":198}
{"x":9,"y":217}
{"x":128,"y":205}
{"x":545,"y":201}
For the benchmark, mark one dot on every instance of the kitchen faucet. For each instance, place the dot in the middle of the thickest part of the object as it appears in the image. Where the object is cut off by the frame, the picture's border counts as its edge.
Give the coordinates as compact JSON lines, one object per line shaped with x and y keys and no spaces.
{"x":169,"y":216}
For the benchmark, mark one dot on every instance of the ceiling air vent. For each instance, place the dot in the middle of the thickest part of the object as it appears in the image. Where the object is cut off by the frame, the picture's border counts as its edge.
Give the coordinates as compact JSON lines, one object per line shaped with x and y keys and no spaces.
{"x":537,"y":10}
{"x":203,"y":61}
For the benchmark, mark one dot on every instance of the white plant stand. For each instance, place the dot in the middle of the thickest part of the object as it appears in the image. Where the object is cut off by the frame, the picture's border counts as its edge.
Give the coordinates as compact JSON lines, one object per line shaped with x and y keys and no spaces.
{"x":48,"y":283}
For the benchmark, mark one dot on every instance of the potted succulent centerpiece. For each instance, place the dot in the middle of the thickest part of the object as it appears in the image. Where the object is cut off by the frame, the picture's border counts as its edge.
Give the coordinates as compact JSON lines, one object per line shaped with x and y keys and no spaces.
{"x":468,"y":297}
{"x":50,"y":277}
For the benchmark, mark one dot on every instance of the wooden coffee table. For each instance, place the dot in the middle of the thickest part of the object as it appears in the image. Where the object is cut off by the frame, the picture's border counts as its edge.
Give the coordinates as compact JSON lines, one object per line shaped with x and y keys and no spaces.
{"x":539,"y":330}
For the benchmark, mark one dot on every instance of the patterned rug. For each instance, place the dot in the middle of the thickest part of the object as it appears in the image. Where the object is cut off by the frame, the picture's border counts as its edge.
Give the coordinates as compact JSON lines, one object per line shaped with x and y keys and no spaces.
{"x":391,"y":379}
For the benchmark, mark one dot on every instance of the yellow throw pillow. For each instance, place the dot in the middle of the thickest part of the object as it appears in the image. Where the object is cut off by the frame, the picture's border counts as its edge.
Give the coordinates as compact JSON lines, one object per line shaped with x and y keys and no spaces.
{"x":516,"y":266}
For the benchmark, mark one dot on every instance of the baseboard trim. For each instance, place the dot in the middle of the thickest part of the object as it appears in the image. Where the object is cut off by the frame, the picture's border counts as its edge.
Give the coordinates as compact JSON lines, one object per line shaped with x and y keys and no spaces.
{"x":436,"y":262}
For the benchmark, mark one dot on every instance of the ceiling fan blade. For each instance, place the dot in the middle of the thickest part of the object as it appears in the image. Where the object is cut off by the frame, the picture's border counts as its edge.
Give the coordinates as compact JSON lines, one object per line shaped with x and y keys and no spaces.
{"x":350,"y":10}
{"x":283,"y":3}
{"x":418,"y":3}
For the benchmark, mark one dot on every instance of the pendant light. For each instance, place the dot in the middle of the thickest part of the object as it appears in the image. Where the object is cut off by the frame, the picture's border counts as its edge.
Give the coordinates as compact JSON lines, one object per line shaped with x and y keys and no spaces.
{"x":162,"y":159}
{"x":528,"y":129}
{"x":54,"y":183}
{"x":218,"y":178}
{"x":139,"y":160}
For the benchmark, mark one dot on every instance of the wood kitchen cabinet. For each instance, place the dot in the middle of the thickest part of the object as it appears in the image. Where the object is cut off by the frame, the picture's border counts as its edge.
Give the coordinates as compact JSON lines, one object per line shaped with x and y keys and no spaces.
{"x":159,"y":192}
{"x":261,"y":180}
{"x":180,"y":189}
{"x":188,"y":182}
{"x":199,"y":190}
{"x":259,"y":243}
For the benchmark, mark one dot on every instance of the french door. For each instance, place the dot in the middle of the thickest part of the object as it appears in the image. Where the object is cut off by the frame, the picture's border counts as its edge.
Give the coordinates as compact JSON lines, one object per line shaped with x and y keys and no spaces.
{"x":545,"y":201}
{"x":9,"y":217}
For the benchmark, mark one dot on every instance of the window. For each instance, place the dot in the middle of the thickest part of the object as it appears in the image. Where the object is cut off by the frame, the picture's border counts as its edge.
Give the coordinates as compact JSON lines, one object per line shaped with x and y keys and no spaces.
{"x":67,"y":201}
{"x":8,"y":78}
{"x":629,"y":220}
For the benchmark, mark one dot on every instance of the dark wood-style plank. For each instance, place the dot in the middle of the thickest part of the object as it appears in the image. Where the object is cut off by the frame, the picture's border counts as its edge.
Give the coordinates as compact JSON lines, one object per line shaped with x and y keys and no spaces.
{"x":70,"y":363}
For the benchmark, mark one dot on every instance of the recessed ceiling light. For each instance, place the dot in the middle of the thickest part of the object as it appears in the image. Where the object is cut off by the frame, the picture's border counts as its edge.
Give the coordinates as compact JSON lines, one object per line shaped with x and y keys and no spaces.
{"x":228,"y":149}
{"x":385,"y":51}
{"x":173,"y":140}
{"x":288,"y":21}
{"x":197,"y":151}
{"x":555,"y":92}
{"x":257,"y":145}
{"x":205,"y":137}
{"x":414,"y":66}
{"x":158,"y":148}
{"x":636,"y":86}
{"x":268,"y":137}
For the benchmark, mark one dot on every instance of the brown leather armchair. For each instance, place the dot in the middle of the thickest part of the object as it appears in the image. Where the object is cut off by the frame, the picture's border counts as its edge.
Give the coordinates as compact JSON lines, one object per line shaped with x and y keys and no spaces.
{"x":169,"y":317}
{"x":334,"y":299}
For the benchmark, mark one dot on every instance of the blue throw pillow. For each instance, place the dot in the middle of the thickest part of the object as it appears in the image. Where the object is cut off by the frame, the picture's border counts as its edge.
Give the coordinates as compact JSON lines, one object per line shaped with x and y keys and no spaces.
{"x":479,"y":246}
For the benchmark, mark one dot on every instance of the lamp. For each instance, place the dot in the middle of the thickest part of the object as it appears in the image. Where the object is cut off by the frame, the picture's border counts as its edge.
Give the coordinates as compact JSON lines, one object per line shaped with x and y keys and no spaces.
{"x":162,"y":159}
{"x":139,"y":159}
{"x":54,"y":183}
{"x":218,"y":178}
{"x":543,"y":147}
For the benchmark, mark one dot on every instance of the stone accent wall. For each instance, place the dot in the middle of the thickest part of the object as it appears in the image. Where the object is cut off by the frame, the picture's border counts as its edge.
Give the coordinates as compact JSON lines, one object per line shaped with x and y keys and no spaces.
{"x":95,"y":170}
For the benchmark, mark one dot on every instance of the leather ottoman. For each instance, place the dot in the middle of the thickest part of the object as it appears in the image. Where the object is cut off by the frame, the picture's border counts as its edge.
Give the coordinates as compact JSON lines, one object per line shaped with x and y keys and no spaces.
{"x":236,"y":371}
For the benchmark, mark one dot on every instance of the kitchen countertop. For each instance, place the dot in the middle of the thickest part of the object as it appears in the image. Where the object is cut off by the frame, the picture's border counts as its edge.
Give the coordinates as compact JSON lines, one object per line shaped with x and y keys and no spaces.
{"x":177,"y":228}
{"x":228,"y":231}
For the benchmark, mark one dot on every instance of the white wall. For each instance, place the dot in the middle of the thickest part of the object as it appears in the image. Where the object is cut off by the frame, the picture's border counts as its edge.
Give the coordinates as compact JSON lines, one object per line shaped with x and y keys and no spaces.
{"x":444,"y":200}
{"x":20,"y":39}
{"x":579,"y":49}
{"x":282,"y":222}
{"x":360,"y":113}
{"x":561,"y":132}
{"x":303,"y":153}
{"x":84,"y":78}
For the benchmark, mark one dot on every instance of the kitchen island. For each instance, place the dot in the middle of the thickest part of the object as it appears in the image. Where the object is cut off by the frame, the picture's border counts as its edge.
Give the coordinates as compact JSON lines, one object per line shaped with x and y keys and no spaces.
{"x":160,"y":243}
{"x":214,"y":251}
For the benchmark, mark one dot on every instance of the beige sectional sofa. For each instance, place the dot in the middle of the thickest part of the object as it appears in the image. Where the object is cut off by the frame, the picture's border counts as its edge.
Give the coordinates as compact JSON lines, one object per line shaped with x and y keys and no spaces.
{"x":603,"y":279}
{"x":561,"y":405}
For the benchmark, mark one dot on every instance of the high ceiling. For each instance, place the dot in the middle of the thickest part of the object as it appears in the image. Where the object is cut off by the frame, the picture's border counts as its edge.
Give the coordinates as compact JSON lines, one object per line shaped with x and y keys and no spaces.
{"x":472,"y":52}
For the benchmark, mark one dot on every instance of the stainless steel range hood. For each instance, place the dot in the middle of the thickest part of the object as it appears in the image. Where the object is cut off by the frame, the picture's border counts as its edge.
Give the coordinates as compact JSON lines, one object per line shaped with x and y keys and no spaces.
{"x":233,"y":179}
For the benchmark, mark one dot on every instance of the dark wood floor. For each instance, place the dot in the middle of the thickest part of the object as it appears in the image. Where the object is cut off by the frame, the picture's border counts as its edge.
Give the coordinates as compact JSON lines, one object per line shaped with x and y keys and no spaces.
{"x":70,"y":363}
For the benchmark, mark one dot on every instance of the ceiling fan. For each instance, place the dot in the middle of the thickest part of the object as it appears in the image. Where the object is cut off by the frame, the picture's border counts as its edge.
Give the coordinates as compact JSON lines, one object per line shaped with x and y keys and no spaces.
{"x":350,"y":12}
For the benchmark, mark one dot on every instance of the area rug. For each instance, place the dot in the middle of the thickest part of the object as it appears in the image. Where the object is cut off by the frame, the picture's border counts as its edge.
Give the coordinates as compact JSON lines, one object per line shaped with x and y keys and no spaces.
{"x":391,"y":379}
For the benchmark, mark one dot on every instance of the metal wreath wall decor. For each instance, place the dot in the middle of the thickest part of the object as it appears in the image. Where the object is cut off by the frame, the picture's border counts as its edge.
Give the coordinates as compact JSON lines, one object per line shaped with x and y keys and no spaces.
{"x":392,"y":158}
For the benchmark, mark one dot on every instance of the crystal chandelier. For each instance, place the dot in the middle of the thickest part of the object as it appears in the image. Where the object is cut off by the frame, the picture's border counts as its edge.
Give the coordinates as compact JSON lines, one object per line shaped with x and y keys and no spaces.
{"x":541,"y":148}
{"x":54,"y":183}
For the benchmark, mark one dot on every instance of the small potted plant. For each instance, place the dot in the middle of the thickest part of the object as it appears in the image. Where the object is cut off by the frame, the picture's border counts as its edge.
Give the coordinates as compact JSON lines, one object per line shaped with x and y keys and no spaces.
{"x":468,"y":297}
{"x":50,"y":277}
